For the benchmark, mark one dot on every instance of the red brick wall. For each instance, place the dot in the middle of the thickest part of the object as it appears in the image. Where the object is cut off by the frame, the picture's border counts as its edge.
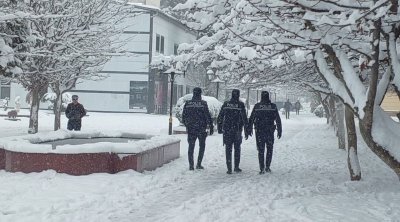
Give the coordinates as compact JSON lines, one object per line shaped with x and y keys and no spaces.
{"x":87,"y":163}
{"x":2,"y":159}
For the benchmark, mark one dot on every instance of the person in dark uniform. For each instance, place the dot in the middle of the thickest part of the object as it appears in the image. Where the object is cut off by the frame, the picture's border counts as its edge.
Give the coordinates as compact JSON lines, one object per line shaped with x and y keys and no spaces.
{"x":231,"y":120}
{"x":196,"y":117}
{"x":74,"y":112}
{"x":264,"y":116}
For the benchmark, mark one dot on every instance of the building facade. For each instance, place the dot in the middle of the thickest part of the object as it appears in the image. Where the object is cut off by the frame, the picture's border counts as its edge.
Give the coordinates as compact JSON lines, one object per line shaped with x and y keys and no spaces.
{"x":131,"y":85}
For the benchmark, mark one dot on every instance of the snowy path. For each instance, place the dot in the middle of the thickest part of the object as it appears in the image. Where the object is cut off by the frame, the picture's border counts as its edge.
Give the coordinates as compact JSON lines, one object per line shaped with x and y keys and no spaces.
{"x":309,"y":182}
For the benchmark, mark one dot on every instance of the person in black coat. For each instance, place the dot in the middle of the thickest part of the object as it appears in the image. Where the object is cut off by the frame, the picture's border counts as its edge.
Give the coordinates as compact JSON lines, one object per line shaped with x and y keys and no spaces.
{"x":196,"y":117}
{"x":288,"y":108}
{"x":264,"y":116}
{"x":231,"y":120}
{"x":74,"y":112}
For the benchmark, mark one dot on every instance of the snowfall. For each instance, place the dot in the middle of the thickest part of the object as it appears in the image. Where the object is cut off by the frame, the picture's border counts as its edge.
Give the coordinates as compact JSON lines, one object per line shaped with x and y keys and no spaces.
{"x":309,"y":181}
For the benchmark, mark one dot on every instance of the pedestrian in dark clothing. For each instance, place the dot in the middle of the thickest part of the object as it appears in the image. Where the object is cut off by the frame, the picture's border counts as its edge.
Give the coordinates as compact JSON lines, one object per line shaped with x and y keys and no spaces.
{"x":231,"y":120}
{"x":196,"y":117}
{"x":74,"y":113}
{"x":264,"y":116}
{"x":288,"y":107}
{"x":297,"y":106}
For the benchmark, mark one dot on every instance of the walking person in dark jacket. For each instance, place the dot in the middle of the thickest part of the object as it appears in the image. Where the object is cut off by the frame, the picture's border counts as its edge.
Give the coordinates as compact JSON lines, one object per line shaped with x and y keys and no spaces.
{"x":264,"y":116}
{"x":231,"y":120}
{"x":297,"y":107}
{"x":196,"y":117}
{"x":74,"y":113}
{"x":288,"y":107}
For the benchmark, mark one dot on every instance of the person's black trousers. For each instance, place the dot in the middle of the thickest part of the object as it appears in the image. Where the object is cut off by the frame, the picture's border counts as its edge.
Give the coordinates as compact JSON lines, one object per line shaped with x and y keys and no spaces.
{"x":232,"y":139}
{"x":287,"y":112}
{"x":74,"y":124}
{"x":265,"y":138}
{"x":202,"y":144}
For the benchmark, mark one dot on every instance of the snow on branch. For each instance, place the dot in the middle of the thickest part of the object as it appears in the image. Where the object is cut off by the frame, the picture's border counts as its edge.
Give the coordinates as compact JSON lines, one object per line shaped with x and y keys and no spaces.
{"x":383,"y":85}
{"x":386,"y":132}
{"x":335,"y":84}
{"x":353,"y":82}
{"x":394,"y":60}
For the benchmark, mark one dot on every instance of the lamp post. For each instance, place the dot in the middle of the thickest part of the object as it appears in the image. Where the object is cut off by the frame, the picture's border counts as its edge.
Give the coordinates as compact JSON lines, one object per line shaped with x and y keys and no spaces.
{"x":171,"y":73}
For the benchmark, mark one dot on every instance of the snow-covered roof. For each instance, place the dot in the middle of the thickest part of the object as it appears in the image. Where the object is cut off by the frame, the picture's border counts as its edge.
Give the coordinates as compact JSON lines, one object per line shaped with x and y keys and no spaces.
{"x":164,"y":15}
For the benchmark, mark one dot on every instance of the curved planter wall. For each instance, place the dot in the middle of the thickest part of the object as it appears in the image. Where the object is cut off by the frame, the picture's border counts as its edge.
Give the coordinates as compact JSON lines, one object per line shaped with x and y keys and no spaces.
{"x":87,"y":163}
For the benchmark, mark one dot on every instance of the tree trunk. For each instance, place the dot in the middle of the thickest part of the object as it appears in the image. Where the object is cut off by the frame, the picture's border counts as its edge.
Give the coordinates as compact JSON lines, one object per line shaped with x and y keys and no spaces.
{"x":57,"y":109}
{"x":326,"y":109}
{"x":383,"y":154}
{"x":352,"y":157}
{"x":340,"y":125}
{"x":331,"y":105}
{"x":367,"y":121}
{"x":34,"y":111}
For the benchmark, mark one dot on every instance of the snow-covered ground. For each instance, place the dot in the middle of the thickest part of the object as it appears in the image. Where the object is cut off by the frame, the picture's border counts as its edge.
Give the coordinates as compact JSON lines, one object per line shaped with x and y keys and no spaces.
{"x":309,"y":182}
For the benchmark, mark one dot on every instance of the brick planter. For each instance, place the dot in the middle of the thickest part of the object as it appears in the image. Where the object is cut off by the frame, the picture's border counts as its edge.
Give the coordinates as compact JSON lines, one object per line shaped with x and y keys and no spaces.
{"x":87,"y":163}
{"x":2,"y":159}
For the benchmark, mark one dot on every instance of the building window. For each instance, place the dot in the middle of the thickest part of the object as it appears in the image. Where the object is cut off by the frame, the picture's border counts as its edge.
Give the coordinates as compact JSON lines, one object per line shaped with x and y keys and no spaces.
{"x":176,"y":49}
{"x":138,"y":94}
{"x":180,"y":91}
{"x":5,"y":90}
{"x":159,"y":43}
{"x":188,"y":91}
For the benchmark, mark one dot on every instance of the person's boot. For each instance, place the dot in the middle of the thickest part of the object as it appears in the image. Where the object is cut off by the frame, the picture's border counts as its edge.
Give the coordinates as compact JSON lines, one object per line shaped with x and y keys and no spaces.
{"x":262,"y":171}
{"x":199,"y":167}
{"x":191,"y":168}
{"x":237,"y":170}
{"x":229,"y":166}
{"x":268,"y":170}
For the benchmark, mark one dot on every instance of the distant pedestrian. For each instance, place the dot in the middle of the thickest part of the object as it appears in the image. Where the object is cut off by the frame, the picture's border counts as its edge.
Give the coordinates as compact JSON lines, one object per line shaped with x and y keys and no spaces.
{"x":264,"y":116}
{"x":196,"y":117}
{"x":231,"y":120}
{"x":297,"y":107}
{"x":74,"y":112}
{"x":288,"y":107}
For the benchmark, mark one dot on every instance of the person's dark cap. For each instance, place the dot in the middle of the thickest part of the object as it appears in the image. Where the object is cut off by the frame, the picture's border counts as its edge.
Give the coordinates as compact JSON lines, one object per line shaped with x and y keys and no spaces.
{"x":197,"y":90}
{"x":75,"y":97}
{"x":265,"y":96}
{"x":196,"y":93}
{"x":235,"y":94}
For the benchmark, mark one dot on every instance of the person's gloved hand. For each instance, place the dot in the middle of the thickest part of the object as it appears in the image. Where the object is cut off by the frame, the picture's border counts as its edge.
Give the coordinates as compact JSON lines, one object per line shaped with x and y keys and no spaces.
{"x":246,"y":136}
{"x":220,"y":130}
{"x":249,"y":132}
{"x":279,"y":135}
{"x":211,"y":130}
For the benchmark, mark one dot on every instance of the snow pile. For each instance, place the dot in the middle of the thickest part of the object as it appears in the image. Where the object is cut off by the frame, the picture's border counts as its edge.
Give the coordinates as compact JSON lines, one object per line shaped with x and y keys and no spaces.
{"x":34,"y":143}
{"x":213,"y":105}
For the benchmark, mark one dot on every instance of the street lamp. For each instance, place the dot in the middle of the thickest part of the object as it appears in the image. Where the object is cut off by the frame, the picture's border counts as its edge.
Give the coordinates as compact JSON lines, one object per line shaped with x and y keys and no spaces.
{"x":217,"y":80}
{"x":171,"y":72}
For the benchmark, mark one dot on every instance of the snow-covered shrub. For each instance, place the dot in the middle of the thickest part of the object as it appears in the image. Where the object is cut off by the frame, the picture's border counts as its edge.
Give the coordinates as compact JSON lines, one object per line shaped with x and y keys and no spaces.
{"x":319,"y":111}
{"x":213,"y":105}
{"x":51,"y":97}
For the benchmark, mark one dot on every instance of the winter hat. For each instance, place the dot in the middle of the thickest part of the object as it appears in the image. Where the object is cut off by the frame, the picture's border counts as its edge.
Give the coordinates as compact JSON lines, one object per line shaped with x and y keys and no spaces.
{"x":197,"y":93}
{"x":75,"y":97}
{"x":265,"y":97}
{"x":235,"y":94}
